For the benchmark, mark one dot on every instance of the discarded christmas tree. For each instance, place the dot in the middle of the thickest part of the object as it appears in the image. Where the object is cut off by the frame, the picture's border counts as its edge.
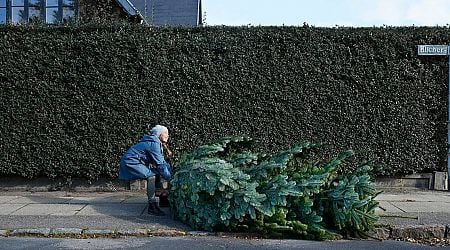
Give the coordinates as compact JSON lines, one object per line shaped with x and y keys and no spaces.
{"x":224,"y":186}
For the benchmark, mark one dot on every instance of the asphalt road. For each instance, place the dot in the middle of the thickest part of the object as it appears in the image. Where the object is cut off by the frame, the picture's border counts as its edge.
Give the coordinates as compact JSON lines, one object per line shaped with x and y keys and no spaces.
{"x":183,"y":243}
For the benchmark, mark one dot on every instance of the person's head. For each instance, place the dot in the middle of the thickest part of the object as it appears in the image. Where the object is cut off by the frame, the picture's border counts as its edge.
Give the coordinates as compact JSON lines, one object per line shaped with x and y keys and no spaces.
{"x":161,"y":132}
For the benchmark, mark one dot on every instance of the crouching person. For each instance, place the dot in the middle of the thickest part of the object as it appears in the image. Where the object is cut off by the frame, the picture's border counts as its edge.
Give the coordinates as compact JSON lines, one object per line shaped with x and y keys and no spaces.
{"x":144,"y":160}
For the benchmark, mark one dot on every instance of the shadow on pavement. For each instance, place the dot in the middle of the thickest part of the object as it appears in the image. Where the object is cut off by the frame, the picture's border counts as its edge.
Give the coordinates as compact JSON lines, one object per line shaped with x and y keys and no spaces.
{"x":99,"y":210}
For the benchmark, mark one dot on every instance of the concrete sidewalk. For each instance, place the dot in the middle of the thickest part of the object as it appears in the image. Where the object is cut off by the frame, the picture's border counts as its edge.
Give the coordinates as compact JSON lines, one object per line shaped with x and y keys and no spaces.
{"x":102,"y":214}
{"x":411,"y":213}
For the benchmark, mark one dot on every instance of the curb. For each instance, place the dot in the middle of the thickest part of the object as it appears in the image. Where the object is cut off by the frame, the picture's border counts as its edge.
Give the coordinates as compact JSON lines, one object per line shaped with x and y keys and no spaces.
{"x":96,"y":233}
{"x":418,"y":232}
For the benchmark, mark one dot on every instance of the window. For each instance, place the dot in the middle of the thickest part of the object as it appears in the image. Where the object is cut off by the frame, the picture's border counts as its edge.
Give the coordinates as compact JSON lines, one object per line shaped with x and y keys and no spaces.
{"x":18,"y":11}
{"x":3,"y":18}
{"x":68,"y":11}
{"x":35,"y":11}
{"x":49,"y":11}
{"x":52,"y":11}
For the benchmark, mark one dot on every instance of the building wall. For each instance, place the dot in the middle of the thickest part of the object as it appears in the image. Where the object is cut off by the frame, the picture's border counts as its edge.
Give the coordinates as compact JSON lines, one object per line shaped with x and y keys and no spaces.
{"x":170,"y":12}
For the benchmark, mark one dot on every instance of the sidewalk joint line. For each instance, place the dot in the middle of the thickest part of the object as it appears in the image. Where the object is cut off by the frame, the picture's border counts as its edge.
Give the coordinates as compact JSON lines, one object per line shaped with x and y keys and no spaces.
{"x":85,"y":205}
{"x":397,"y":207}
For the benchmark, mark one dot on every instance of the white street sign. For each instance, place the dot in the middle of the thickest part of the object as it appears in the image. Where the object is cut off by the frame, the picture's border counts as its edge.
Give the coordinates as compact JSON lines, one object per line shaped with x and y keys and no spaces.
{"x":432,"y":50}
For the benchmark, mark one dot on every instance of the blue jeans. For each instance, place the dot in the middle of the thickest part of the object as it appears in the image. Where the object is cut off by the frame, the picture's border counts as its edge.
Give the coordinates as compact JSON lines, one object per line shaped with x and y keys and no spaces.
{"x":151,"y":189}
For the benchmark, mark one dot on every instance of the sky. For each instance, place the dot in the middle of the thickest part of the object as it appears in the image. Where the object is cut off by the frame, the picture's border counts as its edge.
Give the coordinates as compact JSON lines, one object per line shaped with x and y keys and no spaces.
{"x":327,"y":13}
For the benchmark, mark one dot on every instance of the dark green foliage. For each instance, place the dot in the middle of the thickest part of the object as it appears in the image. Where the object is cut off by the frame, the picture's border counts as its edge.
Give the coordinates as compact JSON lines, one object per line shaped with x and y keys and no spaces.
{"x":224,"y":186}
{"x":74,"y":98}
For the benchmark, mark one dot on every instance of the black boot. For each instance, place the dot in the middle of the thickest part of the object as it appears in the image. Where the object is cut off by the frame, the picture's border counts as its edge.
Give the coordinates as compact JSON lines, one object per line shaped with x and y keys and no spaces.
{"x":164,"y":201}
{"x":153,"y":209}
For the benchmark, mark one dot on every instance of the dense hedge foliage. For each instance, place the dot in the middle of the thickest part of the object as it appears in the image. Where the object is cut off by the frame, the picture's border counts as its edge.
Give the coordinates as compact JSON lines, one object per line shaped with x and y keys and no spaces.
{"x":74,"y":98}
{"x":296,"y":192}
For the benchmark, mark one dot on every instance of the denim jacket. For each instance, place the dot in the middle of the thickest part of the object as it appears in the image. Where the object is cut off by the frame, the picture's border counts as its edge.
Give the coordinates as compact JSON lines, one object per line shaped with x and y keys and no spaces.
{"x":144,"y":159}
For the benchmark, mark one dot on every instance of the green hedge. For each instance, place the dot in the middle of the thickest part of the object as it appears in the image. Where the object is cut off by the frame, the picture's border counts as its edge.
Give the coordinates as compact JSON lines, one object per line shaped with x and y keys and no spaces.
{"x":74,"y":98}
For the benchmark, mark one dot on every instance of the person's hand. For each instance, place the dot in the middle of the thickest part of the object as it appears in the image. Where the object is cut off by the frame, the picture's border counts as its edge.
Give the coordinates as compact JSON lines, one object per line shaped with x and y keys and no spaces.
{"x":167,"y":151}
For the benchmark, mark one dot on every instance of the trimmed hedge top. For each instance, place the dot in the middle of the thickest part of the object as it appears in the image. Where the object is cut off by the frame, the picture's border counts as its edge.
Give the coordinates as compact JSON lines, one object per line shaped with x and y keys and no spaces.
{"x":75,"y":98}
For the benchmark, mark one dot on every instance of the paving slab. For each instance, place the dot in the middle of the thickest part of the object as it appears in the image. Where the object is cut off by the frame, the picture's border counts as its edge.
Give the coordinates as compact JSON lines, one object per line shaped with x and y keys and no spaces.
{"x":49,"y":209}
{"x":92,"y":222}
{"x":416,"y":196}
{"x":136,"y":199}
{"x":96,"y":200}
{"x":113,"y":209}
{"x":388,"y":208}
{"x":40,"y":200}
{"x":6,"y":209}
{"x":7,"y":199}
{"x":422,"y":206}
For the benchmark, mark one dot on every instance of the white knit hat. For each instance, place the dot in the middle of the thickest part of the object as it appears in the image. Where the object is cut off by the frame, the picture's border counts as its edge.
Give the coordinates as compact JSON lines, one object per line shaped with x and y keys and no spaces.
{"x":158,"y":129}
